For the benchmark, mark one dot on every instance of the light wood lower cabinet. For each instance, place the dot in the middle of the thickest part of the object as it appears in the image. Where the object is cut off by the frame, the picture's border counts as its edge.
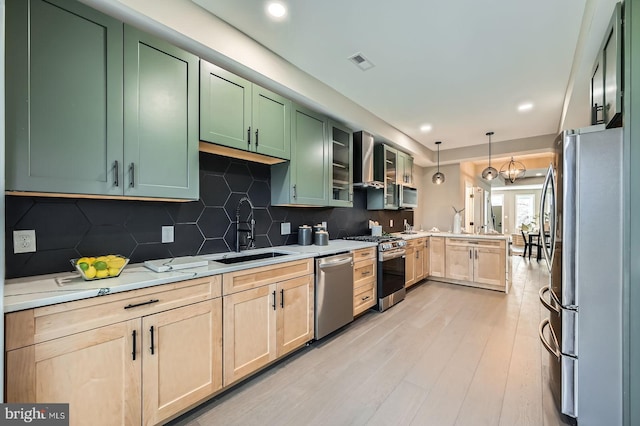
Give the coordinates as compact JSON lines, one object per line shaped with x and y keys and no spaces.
{"x":144,"y":369}
{"x":264,"y":323}
{"x":182,"y":358}
{"x":436,"y":256}
{"x":415,"y":261}
{"x":478,"y":262}
{"x":249,"y":332}
{"x":94,"y":372}
{"x":364,"y":279}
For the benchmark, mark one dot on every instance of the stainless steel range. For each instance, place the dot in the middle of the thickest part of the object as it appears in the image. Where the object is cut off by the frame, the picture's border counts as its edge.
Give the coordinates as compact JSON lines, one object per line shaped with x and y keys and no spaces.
{"x":390,"y":269}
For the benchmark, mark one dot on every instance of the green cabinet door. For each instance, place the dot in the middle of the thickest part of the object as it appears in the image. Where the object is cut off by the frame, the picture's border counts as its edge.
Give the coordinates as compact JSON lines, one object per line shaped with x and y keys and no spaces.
{"x":239,"y":114}
{"x":304,"y":180}
{"x":340,"y":165}
{"x":63,"y":98}
{"x":271,"y":119}
{"x":225,"y":107}
{"x":160,"y":118}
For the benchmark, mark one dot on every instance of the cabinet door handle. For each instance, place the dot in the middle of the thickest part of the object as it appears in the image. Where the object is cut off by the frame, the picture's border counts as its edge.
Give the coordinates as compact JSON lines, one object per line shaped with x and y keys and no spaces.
{"x":249,"y":137}
{"x":257,"y":138}
{"x":133,"y":352}
{"x":132,"y":174}
{"x":274,"y":300}
{"x":417,"y":255}
{"x":282,"y":297}
{"x":152,"y":345}
{"x":129,"y":306}
{"x":367,"y":272}
{"x":295,"y":192}
{"x":476,"y":254}
{"x":116,"y":180}
{"x":366,"y":297}
{"x":470,"y":255}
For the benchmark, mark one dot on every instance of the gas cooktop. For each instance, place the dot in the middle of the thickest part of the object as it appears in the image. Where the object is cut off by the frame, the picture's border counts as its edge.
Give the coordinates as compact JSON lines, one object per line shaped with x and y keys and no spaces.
{"x":372,"y":239}
{"x":385,"y":243}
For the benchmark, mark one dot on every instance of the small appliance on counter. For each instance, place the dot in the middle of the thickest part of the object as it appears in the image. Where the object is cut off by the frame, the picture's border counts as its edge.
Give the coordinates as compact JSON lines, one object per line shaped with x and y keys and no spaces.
{"x":304,"y":235}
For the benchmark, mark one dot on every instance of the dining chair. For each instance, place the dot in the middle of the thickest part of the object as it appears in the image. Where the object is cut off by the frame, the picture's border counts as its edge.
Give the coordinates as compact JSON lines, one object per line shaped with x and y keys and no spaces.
{"x":526,"y":244}
{"x":534,"y":241}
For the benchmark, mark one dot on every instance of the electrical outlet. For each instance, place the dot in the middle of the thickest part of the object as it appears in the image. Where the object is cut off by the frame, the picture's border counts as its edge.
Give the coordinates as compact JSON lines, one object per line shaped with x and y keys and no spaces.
{"x":285,"y":228}
{"x":167,"y":234}
{"x":391,"y":223}
{"x":24,"y":241}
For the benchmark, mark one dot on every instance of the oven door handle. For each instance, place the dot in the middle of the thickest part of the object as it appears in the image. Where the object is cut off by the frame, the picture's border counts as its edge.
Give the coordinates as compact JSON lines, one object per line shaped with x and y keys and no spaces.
{"x":393,"y":255}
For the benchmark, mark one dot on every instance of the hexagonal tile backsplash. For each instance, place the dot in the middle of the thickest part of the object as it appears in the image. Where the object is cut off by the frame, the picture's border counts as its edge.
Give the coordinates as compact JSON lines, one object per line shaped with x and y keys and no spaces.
{"x":70,"y":228}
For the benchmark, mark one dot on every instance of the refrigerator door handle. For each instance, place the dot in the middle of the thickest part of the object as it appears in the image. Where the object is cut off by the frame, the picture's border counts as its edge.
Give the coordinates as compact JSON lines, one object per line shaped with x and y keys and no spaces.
{"x":548,"y":304}
{"x":549,"y":181}
{"x":555,"y":352}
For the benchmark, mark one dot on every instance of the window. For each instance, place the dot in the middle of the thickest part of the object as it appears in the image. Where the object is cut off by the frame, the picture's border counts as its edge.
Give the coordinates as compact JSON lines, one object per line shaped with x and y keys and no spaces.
{"x":525,"y":208}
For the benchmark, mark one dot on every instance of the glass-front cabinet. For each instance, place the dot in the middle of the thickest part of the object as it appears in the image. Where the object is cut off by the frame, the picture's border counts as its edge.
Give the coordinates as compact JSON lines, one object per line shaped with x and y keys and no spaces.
{"x":341,"y":170}
{"x":385,"y":170}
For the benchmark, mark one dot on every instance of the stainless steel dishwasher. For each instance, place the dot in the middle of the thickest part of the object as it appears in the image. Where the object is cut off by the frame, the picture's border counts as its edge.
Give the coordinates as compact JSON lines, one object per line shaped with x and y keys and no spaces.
{"x":334,"y":293}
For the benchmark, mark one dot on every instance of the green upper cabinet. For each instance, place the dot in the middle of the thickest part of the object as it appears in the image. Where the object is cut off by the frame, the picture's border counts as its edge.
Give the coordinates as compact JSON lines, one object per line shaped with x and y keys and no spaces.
{"x":63,"y":98}
{"x":78,"y":124}
{"x":239,"y":114}
{"x":385,"y":169}
{"x":404,"y":176}
{"x":340,"y":165}
{"x":160,"y":118}
{"x":305,"y":179}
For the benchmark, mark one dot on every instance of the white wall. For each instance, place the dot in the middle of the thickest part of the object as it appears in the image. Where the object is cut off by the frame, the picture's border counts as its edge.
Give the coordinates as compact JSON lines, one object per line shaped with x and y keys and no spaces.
{"x":439,"y":200}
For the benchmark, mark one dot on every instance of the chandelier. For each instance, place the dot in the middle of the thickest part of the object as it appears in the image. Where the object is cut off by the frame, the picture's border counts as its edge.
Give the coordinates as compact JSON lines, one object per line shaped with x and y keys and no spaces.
{"x":489,"y":173}
{"x":512,"y":170}
{"x":438,"y":177}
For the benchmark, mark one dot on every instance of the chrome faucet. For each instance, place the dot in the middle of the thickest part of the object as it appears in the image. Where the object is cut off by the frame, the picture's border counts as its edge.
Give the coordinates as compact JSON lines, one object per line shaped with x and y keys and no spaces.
{"x":249,"y":233}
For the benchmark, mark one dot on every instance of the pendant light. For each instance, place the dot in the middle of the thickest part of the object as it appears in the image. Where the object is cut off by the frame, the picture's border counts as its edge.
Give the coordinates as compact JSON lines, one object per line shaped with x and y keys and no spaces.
{"x":438,"y":177}
{"x":512,"y":170}
{"x":489,"y":173}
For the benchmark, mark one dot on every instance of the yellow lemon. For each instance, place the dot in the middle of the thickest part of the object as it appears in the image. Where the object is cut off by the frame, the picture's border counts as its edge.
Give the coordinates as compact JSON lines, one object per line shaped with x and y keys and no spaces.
{"x":113,"y":271}
{"x":116,"y":263}
{"x":91,"y":260}
{"x":101,"y":259}
{"x":83,"y":260}
{"x":111,"y":257}
{"x":90,"y":272}
{"x":102,"y":273}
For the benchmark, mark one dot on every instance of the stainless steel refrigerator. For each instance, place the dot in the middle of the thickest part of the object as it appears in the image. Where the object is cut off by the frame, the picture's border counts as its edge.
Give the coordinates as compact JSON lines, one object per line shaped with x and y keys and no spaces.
{"x":582,"y":206}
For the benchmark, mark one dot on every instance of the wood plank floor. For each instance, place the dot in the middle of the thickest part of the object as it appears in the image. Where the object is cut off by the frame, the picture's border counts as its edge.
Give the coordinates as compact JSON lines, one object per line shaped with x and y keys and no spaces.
{"x":446,"y":355}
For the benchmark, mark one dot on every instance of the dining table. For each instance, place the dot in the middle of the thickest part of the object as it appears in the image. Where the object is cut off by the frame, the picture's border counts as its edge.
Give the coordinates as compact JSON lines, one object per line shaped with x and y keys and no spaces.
{"x":534,"y":240}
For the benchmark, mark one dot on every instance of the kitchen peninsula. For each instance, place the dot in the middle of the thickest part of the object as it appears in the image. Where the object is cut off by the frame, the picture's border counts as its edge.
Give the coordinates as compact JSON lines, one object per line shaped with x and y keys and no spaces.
{"x":476,"y":260}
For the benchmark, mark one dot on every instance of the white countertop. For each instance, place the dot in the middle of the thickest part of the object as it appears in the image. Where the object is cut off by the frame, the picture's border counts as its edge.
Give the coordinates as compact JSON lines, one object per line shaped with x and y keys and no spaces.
{"x":422,"y":234}
{"x":42,"y":290}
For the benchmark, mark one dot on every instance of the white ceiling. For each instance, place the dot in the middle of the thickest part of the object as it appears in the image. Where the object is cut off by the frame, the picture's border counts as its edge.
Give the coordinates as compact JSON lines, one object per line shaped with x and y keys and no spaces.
{"x":462,"y":66}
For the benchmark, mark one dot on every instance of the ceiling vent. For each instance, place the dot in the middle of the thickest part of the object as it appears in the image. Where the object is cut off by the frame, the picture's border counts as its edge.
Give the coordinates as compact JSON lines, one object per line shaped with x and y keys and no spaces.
{"x":361,"y":62}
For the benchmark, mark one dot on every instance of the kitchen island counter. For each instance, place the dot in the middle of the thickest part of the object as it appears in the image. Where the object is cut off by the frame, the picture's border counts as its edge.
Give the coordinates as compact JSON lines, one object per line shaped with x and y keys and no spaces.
{"x":42,"y":290}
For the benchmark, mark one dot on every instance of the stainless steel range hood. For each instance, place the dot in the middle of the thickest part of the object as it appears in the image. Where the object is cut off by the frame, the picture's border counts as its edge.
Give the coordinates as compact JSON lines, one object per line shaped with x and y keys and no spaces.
{"x":363,"y":161}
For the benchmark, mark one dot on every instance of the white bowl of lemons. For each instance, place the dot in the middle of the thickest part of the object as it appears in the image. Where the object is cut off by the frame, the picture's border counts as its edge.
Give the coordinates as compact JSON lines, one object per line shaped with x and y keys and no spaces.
{"x":96,"y":268}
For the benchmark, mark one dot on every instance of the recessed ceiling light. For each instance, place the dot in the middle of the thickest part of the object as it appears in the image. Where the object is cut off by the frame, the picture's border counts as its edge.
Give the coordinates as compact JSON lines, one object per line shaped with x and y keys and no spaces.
{"x":277,"y":10}
{"x":425,"y":128}
{"x":525,"y":107}
{"x":538,"y":174}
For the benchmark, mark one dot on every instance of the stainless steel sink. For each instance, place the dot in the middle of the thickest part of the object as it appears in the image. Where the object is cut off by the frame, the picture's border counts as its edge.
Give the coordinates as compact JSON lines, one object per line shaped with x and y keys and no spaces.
{"x":231,"y":258}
